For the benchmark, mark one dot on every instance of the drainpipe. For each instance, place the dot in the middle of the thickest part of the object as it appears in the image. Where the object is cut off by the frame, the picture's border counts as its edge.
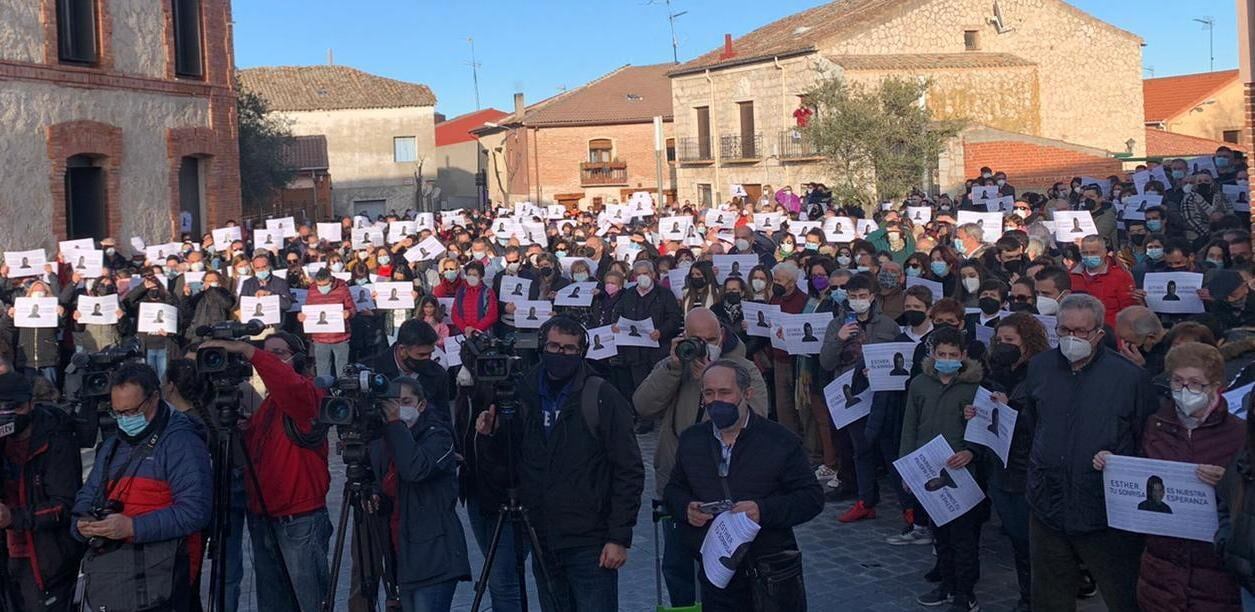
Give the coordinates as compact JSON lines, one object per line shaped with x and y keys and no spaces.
{"x":784,"y":110}
{"x":714,"y":135}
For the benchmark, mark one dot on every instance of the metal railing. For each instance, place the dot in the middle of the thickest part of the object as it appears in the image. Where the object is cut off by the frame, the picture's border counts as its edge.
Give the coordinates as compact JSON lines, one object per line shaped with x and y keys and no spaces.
{"x":603,"y":173}
{"x":693,"y":149}
{"x":736,"y":146}
{"x":795,"y":145}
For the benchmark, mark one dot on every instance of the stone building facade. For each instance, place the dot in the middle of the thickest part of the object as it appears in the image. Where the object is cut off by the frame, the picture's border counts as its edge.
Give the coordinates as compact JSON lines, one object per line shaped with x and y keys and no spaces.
{"x":1011,"y":64}
{"x":120,"y":120}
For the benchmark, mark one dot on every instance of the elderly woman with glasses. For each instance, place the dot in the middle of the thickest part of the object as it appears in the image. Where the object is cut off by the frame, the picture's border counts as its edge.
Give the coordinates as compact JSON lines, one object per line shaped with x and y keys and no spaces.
{"x":1192,"y":426}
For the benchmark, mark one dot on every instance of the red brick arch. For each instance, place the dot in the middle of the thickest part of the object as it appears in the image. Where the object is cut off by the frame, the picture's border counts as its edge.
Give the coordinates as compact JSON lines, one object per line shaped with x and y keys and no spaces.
{"x":192,"y":142}
{"x":95,"y":139}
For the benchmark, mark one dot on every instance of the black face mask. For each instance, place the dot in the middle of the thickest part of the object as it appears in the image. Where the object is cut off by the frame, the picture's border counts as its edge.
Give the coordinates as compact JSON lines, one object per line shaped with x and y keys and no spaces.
{"x":1204,"y":190}
{"x":732,"y":299}
{"x":937,"y":326}
{"x":697,"y":282}
{"x":989,"y":306}
{"x":1091,"y":203}
{"x":560,"y":367}
{"x":1137,"y":239}
{"x":777,"y":290}
{"x":913,"y":317}
{"x":1003,"y":356}
{"x":1014,"y":266}
{"x":546,"y":271}
{"x":1022,"y":307}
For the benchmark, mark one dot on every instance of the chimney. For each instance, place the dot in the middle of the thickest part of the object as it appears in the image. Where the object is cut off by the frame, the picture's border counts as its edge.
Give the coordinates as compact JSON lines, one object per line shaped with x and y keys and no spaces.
{"x":518,"y":105}
{"x":728,"y":53}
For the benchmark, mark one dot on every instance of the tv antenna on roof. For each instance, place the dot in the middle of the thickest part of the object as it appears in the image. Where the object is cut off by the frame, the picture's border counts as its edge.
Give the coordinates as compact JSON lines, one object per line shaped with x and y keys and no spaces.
{"x":474,"y":71}
{"x":671,"y":17}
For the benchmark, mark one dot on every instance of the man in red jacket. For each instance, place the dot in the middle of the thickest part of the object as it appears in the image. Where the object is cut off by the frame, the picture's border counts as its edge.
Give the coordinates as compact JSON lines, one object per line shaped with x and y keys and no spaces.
{"x":1099,"y":276}
{"x":330,"y":347}
{"x":293,"y":476}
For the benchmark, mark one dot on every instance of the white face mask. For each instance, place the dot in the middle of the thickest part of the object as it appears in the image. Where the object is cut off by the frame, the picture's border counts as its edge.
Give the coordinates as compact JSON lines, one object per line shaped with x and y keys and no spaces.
{"x":1189,"y":402}
{"x":971,"y":283}
{"x":1047,"y":305}
{"x":472,"y":280}
{"x":713,"y":351}
{"x":409,"y":415}
{"x":742,"y":244}
{"x":645,"y":282}
{"x":1075,"y":349}
{"x":860,"y":306}
{"x":759,"y":284}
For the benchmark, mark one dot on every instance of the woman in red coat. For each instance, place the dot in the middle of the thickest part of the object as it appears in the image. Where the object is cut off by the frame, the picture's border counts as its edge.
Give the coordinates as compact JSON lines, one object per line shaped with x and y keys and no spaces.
{"x":474,"y":304}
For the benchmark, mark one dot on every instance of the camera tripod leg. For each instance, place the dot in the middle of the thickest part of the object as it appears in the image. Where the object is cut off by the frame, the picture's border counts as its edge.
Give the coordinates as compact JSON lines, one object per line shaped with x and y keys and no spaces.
{"x":542,"y":579}
{"x":379,"y":549}
{"x":338,"y":555}
{"x":221,"y":526}
{"x":481,"y":585}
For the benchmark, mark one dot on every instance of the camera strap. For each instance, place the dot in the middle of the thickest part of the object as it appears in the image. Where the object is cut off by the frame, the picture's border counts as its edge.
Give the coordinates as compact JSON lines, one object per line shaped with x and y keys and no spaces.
{"x":137,"y":457}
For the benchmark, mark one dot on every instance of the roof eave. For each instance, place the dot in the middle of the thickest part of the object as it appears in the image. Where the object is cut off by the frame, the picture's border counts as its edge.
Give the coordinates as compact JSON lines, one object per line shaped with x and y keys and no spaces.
{"x":742,"y":61}
{"x":587,"y":122}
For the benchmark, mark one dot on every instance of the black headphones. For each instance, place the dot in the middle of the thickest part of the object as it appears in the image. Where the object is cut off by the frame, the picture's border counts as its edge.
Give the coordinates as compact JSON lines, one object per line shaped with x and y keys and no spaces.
{"x":565,"y":321}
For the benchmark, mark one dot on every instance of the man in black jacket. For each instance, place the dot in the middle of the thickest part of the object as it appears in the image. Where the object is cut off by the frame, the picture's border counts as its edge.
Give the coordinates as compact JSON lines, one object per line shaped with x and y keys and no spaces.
{"x":40,"y":472}
{"x":755,"y":464}
{"x":579,"y":469}
{"x":647,"y":301}
{"x":410,"y":356}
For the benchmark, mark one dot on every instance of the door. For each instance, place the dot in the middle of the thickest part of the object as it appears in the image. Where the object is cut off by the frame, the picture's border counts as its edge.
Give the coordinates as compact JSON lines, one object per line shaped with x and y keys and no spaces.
{"x":84,"y":199}
{"x":752,"y":192}
{"x":189,"y":197}
{"x":748,"y":148}
{"x":369,"y":208}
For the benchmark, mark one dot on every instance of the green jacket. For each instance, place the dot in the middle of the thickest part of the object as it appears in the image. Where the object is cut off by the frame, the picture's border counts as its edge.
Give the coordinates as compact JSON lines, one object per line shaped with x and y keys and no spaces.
{"x":880,"y":240}
{"x":934,"y":408}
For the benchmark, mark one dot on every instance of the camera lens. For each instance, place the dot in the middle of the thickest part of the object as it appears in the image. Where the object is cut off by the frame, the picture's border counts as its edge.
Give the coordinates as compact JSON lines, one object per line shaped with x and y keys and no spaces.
{"x":337,"y":411}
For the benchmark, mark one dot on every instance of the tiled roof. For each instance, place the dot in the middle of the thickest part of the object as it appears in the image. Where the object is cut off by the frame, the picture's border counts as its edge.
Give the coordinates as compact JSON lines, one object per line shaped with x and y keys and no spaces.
{"x":308,"y":88}
{"x":458,"y":129}
{"x":1160,"y":143}
{"x":305,"y":152}
{"x":1168,"y":97}
{"x":631,"y":94}
{"x":928,"y":61}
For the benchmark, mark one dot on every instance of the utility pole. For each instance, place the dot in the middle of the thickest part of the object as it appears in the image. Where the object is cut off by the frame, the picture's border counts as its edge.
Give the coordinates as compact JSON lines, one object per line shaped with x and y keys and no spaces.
{"x":1209,"y":24}
{"x":675,"y":42}
{"x":474,"y":71}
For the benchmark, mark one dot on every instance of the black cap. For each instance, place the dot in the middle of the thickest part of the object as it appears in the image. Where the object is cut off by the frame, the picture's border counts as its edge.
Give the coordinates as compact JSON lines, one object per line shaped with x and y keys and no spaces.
{"x":1223,"y":283}
{"x":14,"y":387}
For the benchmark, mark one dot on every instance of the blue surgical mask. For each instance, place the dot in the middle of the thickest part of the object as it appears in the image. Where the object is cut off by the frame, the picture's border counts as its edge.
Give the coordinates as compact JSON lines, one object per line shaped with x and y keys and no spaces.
{"x":839,"y":295}
{"x":1178,"y":174}
{"x":132,"y":424}
{"x":960,"y":247}
{"x":1216,"y":263}
{"x":1154,"y":225}
{"x":1154,"y":253}
{"x":263,"y":274}
{"x":912,"y":271}
{"x":1091,"y":261}
{"x":324,"y":289}
{"x":560,"y":253}
{"x":812,"y":246}
{"x":947,"y":366}
{"x":940,"y":268}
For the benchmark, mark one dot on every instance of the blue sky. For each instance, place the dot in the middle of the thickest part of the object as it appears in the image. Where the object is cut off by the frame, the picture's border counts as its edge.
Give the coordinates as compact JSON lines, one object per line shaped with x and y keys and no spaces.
{"x":541,"y":46}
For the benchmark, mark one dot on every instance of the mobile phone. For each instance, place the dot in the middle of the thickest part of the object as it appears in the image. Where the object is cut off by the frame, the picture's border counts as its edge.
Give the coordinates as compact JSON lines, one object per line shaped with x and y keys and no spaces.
{"x":850,"y":317}
{"x":715,"y":507}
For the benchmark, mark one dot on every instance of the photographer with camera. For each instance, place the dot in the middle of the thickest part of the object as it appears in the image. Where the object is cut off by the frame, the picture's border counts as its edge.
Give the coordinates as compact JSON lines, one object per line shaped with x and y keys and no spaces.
{"x":579,"y":470}
{"x":751,"y":465}
{"x":144,"y":504}
{"x":292,"y":475}
{"x":40,"y":472}
{"x":672,"y":393}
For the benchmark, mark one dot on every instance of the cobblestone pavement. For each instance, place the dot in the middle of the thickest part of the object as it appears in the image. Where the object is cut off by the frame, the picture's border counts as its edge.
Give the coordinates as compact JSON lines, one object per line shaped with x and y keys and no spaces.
{"x":848,"y":567}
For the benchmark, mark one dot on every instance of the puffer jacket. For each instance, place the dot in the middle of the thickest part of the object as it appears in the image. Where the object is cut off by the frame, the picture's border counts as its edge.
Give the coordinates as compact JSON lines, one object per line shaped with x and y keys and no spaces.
{"x":670,"y":391}
{"x":935,"y":408}
{"x":1180,"y":574}
{"x":1235,"y":538}
{"x":1114,"y":288}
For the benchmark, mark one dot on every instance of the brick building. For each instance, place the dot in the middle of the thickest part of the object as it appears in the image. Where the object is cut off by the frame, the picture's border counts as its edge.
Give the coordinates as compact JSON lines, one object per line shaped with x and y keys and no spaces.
{"x":380,"y":132}
{"x":308,"y":194}
{"x":119,"y":118}
{"x":1009,"y":65}
{"x":585,"y":147}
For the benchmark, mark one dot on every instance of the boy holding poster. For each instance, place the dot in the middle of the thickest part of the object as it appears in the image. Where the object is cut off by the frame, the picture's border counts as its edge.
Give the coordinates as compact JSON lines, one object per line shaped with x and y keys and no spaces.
{"x":934,"y":406}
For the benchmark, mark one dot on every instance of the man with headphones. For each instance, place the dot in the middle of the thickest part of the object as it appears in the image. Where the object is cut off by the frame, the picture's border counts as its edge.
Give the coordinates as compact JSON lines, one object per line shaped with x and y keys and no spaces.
{"x":579,"y":470}
{"x":291,"y":467}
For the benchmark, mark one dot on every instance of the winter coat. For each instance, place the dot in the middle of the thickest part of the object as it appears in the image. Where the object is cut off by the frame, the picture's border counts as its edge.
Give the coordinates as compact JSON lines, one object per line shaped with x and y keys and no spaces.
{"x":211,"y":305}
{"x":274,"y":284}
{"x":880,"y":240}
{"x":936,"y":408}
{"x":467,"y":310}
{"x":658,"y":305}
{"x":1105,"y":222}
{"x":1114,"y":288}
{"x":1103,"y":406}
{"x":139,"y":294}
{"x":1179,"y":574}
{"x":1235,"y":538}
{"x":1011,"y":477}
{"x":341,"y":296}
{"x":670,"y":391}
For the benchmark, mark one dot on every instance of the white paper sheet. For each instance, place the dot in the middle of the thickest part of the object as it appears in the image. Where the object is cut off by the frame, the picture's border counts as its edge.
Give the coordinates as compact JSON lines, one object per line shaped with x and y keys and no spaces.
{"x":31,"y":312}
{"x":844,"y":404}
{"x":946,"y":494}
{"x":888,"y":365}
{"x":1159,"y":497}
{"x":323,"y":318}
{"x":993,"y":424}
{"x":266,"y":309}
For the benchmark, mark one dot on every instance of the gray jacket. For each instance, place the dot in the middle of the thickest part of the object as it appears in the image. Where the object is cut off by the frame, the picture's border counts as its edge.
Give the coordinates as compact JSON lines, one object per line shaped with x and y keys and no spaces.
{"x":878,"y":328}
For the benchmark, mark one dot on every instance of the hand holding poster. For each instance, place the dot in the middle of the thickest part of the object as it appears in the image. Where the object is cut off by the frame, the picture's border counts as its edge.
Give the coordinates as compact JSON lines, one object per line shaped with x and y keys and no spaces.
{"x":224,"y":236}
{"x":674,"y":228}
{"x":265,"y":309}
{"x":635,"y":333}
{"x":1072,"y":225}
{"x":102,"y":310}
{"x":531,"y":314}
{"x":323,"y":318}
{"x":155,"y":317}
{"x":946,"y":494}
{"x":990,"y":223}
{"x":25,"y":263}
{"x":86,"y":264}
{"x":760,"y":318}
{"x":29,"y":312}
{"x":426,"y":250}
{"x":919,"y":215}
{"x":993,"y":424}
{"x":1163,"y":498}
{"x":394,"y":296}
{"x":1173,"y":292}
{"x":844,"y":404}
{"x":733,"y":265}
{"x":601,"y":343}
{"x":331,"y":233}
{"x":726,"y":546}
{"x":804,"y":333}
{"x":888,"y":365}
{"x":576,"y":294}
{"x":515,"y":289}
{"x":840,"y":229}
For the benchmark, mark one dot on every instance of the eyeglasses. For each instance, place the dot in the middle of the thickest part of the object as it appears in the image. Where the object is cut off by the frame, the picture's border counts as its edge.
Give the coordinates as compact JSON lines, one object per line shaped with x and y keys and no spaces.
{"x":1195,"y":387}
{"x":1076,"y":333}
{"x":563,"y":349}
{"x":130,"y":411}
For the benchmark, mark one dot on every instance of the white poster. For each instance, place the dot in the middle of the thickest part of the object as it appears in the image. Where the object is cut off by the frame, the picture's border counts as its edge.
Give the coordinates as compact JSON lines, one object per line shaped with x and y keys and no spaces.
{"x":1151,"y":174}
{"x":888,"y":365}
{"x":398,"y":230}
{"x":1163,"y":498}
{"x":840,"y":229}
{"x":366,"y":237}
{"x":676,"y":277}
{"x":760,"y":319}
{"x":935,"y":287}
{"x":1173,"y":292}
{"x":768,"y":222}
{"x":1051,"y":323}
{"x":31,"y":312}
{"x":394,"y":296}
{"x":25,"y":263}
{"x":102,"y":310}
{"x":576,"y":294}
{"x":990,"y":223}
{"x":1103,"y":184}
{"x":799,"y":228}
{"x":1239,"y":196}
{"x":804,"y":333}
{"x":82,"y":244}
{"x":1135,"y":206}
{"x":726,"y":545}
{"x":224,"y":236}
{"x":362,"y":298}
{"x":453,"y":351}
{"x":284,"y":227}
{"x":446,"y":307}
{"x":993,"y":424}
{"x":844,"y":404}
{"x":298,"y":299}
{"x":733,"y":265}
{"x":267,"y":239}
{"x":865,"y":226}
{"x":323,"y":318}
{"x":1202,"y":163}
{"x":155,"y":317}
{"x":720,"y":218}
{"x":635,"y":333}
{"x":984,"y":192}
{"x":86,"y":264}
{"x":1072,"y":225}
{"x":674,"y":228}
{"x":332,"y":233}
{"x":424,"y":220}
{"x":1235,"y":398}
{"x":531,"y":314}
{"x":601,"y":343}
{"x":515,"y":289}
{"x":426,"y":250}
{"x":265,"y":309}
{"x":919,"y":215}
{"x":1004,"y":204}
{"x":946,"y":494}
{"x":616,"y":214}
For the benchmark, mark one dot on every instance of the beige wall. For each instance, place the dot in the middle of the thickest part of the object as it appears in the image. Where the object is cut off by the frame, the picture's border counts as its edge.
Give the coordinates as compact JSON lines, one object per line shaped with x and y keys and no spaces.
{"x":139,"y":28}
{"x":26,"y":109}
{"x":1004,"y":98}
{"x":498,"y":174}
{"x":21,"y":33}
{"x":360,"y":153}
{"x":1224,"y":113}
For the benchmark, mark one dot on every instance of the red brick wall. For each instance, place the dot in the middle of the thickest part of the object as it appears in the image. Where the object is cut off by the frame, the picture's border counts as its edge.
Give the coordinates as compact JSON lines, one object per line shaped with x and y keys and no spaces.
{"x":99,"y":140}
{"x":1034,"y":167}
{"x":561,"y":150}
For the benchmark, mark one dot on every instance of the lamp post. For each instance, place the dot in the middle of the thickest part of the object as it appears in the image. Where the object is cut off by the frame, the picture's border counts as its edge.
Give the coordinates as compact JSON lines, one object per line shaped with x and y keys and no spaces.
{"x":1209,"y":24}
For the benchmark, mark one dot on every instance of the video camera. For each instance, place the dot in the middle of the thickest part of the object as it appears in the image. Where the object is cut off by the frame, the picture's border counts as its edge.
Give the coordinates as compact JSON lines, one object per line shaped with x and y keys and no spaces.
{"x":216,"y":362}
{"x":492,"y":361}
{"x":350,"y":398}
{"x":96,"y":367}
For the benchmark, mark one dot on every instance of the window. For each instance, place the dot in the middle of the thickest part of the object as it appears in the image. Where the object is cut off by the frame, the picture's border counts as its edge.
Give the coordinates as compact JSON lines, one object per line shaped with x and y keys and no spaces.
{"x":187,"y":39}
{"x":704,"y":197}
{"x":1232,"y":136}
{"x":600,"y":150}
{"x":404,"y":149}
{"x":971,"y":40}
{"x":703,"y":132}
{"x":670,"y":149}
{"x":76,"y":31}
{"x":747,"y":129}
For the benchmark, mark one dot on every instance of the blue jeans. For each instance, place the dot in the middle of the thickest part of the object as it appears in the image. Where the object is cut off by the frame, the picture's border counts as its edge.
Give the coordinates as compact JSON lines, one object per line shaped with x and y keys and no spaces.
{"x":503,"y":582}
{"x":679,"y":568}
{"x":1248,"y":601}
{"x":305,"y":543}
{"x":434,"y":598}
{"x":577,"y":582}
{"x":157,"y":359}
{"x":325,"y":353}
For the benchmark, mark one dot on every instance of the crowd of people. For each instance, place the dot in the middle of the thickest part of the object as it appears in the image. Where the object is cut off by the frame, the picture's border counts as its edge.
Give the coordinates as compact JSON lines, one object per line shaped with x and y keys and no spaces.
{"x":1071,"y":334}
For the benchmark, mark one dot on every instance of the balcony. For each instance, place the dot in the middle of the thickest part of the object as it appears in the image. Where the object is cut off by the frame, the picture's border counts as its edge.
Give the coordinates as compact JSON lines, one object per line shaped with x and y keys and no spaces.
{"x":795,"y":146}
{"x":739,"y":149}
{"x":694,"y":150}
{"x":603,"y":173}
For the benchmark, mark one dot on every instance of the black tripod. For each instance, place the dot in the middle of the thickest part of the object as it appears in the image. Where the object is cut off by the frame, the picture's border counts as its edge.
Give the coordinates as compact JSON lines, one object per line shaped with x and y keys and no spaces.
{"x":373,"y":558}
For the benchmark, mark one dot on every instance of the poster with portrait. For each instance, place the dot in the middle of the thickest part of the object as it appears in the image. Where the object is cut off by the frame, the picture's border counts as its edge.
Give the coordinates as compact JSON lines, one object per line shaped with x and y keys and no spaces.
{"x":1202,"y":163}
{"x":1134,"y":206}
{"x":266,"y":309}
{"x":366,"y":237}
{"x":450,"y":219}
{"x":25,"y":263}
{"x":1157,"y":173}
{"x":102,"y":310}
{"x":82,"y":244}
{"x":576,"y":294}
{"x":803,"y":334}
{"x":323,"y":318}
{"x":446,"y":307}
{"x":760,"y":318}
{"x":267,"y":239}
{"x":888,"y":365}
{"x":768,"y":222}
{"x":1164,"y":498}
{"x":284,"y":226}
{"x":453,"y":351}
{"x":990,"y":223}
{"x":1004,"y":205}
{"x":675,"y":228}
{"x":601,"y":344}
{"x":676,"y":278}
{"x":427,"y":250}
{"x":424,"y":221}
{"x":515,"y":289}
{"x":984,"y":193}
{"x":725,"y":546}
{"x":1239,"y":196}
{"x":1103,"y":184}
{"x":845,"y":403}
{"x":394,"y":296}
{"x":799,"y":229}
{"x":398,"y":230}
{"x":935,"y":287}
{"x":86,"y":263}
{"x":155,"y":317}
{"x":363,"y":298}
{"x":993,"y":424}
{"x":635,"y":333}
{"x":298,"y":299}
{"x":719,"y":219}
{"x":919,"y":215}
{"x":946,"y":494}
{"x":616,"y":214}
{"x":1173,"y":292}
{"x":30,"y":312}
{"x":224,"y":236}
{"x":331,"y":233}
{"x":1072,"y":225}
{"x":531,"y":314}
{"x":727,"y":266}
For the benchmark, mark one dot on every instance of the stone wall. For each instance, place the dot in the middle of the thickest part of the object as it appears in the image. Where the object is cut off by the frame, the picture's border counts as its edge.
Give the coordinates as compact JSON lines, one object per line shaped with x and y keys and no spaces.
{"x":1221,"y":112}
{"x":21,"y":35}
{"x":456,"y":165}
{"x":1005,"y":98}
{"x":139,"y":37}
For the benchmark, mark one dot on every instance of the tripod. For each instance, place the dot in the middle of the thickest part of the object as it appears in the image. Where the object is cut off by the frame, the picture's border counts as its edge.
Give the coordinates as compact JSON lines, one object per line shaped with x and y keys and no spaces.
{"x":373,"y":558}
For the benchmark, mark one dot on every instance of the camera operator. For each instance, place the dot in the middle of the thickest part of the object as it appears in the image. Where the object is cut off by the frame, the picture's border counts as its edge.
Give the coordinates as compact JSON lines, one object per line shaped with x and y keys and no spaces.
{"x":40,"y":471}
{"x":410,"y":356}
{"x":579,"y":469}
{"x":749,"y":465}
{"x":292,"y":473}
{"x":149,"y":495}
{"x":672,"y":393}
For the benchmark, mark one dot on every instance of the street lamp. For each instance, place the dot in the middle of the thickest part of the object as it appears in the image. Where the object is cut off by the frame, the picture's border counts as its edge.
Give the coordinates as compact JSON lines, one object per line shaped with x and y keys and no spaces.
{"x":1209,"y":24}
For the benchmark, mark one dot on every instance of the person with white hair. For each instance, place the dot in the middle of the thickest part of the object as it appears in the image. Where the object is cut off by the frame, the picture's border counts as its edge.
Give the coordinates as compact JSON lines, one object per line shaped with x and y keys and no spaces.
{"x":969,"y":240}
{"x":787,"y":293}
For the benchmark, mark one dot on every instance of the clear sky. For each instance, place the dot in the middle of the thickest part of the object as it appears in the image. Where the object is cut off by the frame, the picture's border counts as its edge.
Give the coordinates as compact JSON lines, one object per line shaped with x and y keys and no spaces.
{"x":542,"y":46}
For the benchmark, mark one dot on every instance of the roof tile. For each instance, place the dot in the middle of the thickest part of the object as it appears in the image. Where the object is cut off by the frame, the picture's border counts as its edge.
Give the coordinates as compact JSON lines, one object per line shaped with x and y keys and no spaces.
{"x":305,"y":152}
{"x":1160,"y":143}
{"x":1167,"y":97}
{"x":310,"y":88}
{"x":631,"y":94}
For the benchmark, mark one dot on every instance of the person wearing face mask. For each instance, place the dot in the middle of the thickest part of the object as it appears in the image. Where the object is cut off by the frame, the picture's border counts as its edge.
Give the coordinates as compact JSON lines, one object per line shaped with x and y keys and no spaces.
{"x":1052,"y":284}
{"x":1100,"y":276}
{"x":92,"y":337}
{"x":755,"y":466}
{"x":672,"y":394}
{"x":1203,"y":203}
{"x":410,"y":356}
{"x":889,"y":293}
{"x":647,"y":301}
{"x":451,"y":280}
{"x":40,"y":472}
{"x":331,"y":350}
{"x":1192,"y":425}
{"x":158,"y":346}
{"x":895,"y":240}
{"x":792,"y":300}
{"x":165,"y":514}
{"x":264,"y":282}
{"x":475,"y":308}
{"x":579,"y":469}
{"x":700,"y":290}
{"x":213,"y":304}
{"x":1232,"y":301}
{"x":991,"y":299}
{"x":746,"y":242}
{"x":112,"y":258}
{"x":1085,"y":399}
